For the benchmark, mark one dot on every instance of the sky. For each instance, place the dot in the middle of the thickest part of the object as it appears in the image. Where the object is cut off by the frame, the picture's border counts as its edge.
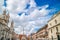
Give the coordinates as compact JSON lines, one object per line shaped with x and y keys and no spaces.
{"x":30,"y":14}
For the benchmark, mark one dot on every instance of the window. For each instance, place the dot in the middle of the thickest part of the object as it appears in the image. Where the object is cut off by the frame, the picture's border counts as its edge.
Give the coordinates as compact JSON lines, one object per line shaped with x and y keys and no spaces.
{"x":50,"y":24}
{"x":57,"y":29}
{"x":56,"y":21}
{"x":51,"y":30}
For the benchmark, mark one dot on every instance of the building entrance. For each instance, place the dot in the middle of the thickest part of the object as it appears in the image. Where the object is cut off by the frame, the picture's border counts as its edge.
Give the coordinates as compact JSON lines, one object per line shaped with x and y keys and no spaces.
{"x":58,"y":36}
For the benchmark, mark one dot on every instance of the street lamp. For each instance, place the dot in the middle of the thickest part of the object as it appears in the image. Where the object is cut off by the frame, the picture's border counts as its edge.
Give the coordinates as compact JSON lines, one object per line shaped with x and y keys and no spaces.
{"x":23,"y":30}
{"x":23,"y":26}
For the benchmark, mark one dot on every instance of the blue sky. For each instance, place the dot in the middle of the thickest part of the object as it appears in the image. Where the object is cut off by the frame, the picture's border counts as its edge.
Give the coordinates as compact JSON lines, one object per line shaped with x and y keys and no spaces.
{"x":51,"y":3}
{"x":31,"y":14}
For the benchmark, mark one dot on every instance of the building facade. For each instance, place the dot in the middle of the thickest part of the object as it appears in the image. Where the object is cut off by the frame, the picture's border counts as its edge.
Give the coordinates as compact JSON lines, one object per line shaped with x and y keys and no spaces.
{"x":5,"y":31}
{"x":34,"y":36}
{"x":42,"y":33}
{"x":16,"y":37}
{"x":23,"y":37}
{"x":54,"y":27}
{"x":30,"y":37}
{"x":4,"y":19}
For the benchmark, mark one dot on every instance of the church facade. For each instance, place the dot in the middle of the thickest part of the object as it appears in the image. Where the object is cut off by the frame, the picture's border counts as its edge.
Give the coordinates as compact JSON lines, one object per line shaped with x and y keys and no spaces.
{"x":5,"y":31}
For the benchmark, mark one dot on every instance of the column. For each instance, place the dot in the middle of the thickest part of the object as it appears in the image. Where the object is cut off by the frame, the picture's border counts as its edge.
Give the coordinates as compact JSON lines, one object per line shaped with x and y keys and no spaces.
{"x":10,"y":37}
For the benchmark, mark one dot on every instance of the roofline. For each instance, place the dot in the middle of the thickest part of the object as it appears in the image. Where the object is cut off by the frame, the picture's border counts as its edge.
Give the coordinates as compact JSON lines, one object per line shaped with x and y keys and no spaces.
{"x":54,"y":16}
{"x":42,"y":28}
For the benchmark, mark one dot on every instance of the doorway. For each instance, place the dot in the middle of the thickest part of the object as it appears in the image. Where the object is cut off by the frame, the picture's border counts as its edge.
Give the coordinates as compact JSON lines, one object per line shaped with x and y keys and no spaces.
{"x":58,"y":36}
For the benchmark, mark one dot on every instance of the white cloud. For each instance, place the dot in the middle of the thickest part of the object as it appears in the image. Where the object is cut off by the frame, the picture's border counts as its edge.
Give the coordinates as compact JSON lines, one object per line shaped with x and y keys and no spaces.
{"x":35,"y":17}
{"x":18,"y":5}
{"x":45,"y":6}
{"x":1,"y":5}
{"x":32,"y":3}
{"x":1,"y":2}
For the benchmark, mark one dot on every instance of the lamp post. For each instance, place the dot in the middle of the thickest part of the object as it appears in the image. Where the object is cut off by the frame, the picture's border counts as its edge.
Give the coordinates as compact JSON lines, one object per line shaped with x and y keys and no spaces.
{"x":23,"y":26}
{"x":23,"y":30}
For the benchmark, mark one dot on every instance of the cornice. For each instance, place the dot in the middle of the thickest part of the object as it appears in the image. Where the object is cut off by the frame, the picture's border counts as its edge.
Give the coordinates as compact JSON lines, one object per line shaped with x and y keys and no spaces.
{"x":54,"y":16}
{"x":54,"y":26}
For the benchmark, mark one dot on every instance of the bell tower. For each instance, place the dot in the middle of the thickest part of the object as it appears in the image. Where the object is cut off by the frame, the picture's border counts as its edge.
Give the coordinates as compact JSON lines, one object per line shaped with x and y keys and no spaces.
{"x":12,"y":23}
{"x":7,"y":17}
{"x":12,"y":26}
